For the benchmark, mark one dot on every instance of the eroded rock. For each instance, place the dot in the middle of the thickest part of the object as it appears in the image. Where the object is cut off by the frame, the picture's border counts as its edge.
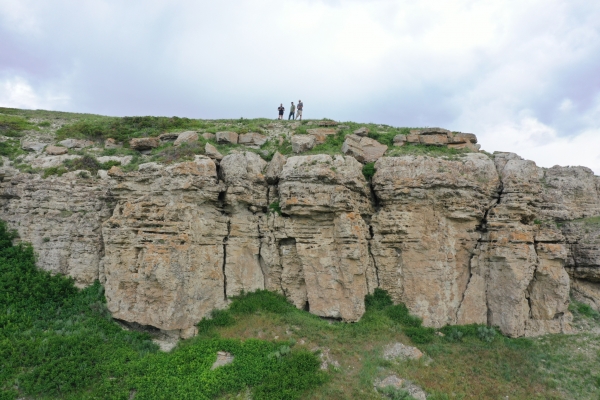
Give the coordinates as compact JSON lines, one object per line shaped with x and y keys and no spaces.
{"x":364,"y":149}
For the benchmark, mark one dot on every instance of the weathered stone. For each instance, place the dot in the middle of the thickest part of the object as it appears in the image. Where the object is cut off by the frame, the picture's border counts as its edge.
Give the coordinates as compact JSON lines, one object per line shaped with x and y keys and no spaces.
{"x":364,"y":149}
{"x":56,"y":151}
{"x":168,"y":136}
{"x":124,"y":160}
{"x":402,"y":352}
{"x":76,"y":143}
{"x":252,"y":139}
{"x":223,"y":358}
{"x":321,"y":134}
{"x":141,"y":144}
{"x":111,"y":143}
{"x":52,"y":161}
{"x":325,"y":123}
{"x":149,"y":166}
{"x":302,"y":143}
{"x":399,"y":140}
{"x":212,"y":152}
{"x":439,"y":139}
{"x":164,"y":252}
{"x":274,"y":168}
{"x":425,"y":232}
{"x":465,"y":145}
{"x":61,"y":218}
{"x":227,"y":137}
{"x":413,"y":138}
{"x":33,"y":146}
{"x":364,"y":131}
{"x":186,"y":137}
{"x":430,"y":131}
{"x":458,"y":137}
{"x":208,"y":136}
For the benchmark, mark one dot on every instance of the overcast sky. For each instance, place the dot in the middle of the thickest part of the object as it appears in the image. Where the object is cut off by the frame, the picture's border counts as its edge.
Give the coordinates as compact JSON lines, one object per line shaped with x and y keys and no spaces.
{"x":523,"y":75}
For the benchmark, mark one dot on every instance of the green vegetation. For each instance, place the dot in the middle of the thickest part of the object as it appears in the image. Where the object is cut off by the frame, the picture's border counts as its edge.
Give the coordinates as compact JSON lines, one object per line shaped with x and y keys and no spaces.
{"x":368,"y":170}
{"x":13,"y":126}
{"x":59,"y":342}
{"x":85,"y":163}
{"x":275,"y":208}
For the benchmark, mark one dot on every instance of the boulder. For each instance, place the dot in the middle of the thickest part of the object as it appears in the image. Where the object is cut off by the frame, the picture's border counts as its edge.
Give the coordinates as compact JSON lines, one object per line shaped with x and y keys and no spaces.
{"x":52,"y":161}
{"x":76,"y":143}
{"x":465,"y":145}
{"x":33,"y":146}
{"x":168,"y":136}
{"x":274,"y":168}
{"x":413,"y":138}
{"x":458,"y":137}
{"x":186,"y":137}
{"x":364,"y":131}
{"x":302,"y":143}
{"x":321,"y":134}
{"x":111,"y":143}
{"x":227,"y":137}
{"x":364,"y":149}
{"x":208,"y":136}
{"x":56,"y":150}
{"x":402,"y":352}
{"x":326,"y":123}
{"x":212,"y":152}
{"x":124,"y":160}
{"x":141,"y":144}
{"x":399,"y":140}
{"x":252,"y":139}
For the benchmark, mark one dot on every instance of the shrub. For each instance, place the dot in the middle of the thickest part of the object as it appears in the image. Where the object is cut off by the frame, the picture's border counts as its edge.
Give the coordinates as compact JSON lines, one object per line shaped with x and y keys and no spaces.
{"x":12,"y":126}
{"x":59,"y":171}
{"x":379,"y":300}
{"x":275,"y":208}
{"x":393,"y":393}
{"x":44,"y":124}
{"x":400,"y":314}
{"x":368,"y":170}
{"x":486,"y":334}
{"x":420,"y":334}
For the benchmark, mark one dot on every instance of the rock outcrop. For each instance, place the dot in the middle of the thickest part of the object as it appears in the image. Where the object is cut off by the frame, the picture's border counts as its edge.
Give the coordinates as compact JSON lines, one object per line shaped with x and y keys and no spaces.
{"x":470,"y":239}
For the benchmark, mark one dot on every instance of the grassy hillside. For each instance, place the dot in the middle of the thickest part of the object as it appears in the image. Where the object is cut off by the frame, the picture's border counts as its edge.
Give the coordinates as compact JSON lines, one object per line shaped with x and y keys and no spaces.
{"x":50,"y":126}
{"x":58,"y":342}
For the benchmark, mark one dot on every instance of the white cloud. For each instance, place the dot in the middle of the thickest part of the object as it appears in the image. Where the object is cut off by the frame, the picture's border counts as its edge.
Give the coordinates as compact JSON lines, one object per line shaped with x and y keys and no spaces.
{"x":521,"y":74}
{"x":16,"y":92}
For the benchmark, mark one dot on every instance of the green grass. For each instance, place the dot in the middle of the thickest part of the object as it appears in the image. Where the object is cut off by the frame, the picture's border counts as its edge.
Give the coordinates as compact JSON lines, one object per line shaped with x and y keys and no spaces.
{"x":13,"y":126}
{"x":58,"y":342}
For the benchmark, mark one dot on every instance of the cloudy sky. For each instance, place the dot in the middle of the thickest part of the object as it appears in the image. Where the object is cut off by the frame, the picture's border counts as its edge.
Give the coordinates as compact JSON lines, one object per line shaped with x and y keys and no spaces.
{"x":523,"y":75}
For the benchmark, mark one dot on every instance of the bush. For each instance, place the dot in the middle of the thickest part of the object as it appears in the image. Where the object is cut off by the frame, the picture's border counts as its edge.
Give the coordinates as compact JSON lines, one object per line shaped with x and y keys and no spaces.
{"x":400,"y":314}
{"x":13,"y":126}
{"x":275,"y":208}
{"x":379,"y":300}
{"x":58,"y":171}
{"x":393,"y":393}
{"x":420,"y":334}
{"x":124,"y":129}
{"x":368,"y":170}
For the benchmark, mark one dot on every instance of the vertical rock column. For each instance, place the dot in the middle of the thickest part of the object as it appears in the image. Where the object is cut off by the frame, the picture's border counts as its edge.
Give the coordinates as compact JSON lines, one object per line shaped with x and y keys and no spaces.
{"x":164,"y":246}
{"x":322,"y":236}
{"x":426,"y":232}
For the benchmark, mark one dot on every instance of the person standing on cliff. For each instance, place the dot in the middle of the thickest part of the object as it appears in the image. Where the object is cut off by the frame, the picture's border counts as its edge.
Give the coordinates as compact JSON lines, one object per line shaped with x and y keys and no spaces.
{"x":299,"y":113}
{"x":292,"y":111}
{"x":281,"y":109}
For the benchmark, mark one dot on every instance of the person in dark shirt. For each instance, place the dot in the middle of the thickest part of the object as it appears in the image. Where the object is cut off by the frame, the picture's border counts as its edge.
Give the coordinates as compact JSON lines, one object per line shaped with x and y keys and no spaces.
{"x":281,"y":109}
{"x":299,"y":113}
{"x":292,"y":111}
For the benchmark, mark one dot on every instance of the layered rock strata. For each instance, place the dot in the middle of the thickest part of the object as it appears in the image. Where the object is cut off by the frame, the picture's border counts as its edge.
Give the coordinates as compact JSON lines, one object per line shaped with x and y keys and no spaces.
{"x":471,"y":239}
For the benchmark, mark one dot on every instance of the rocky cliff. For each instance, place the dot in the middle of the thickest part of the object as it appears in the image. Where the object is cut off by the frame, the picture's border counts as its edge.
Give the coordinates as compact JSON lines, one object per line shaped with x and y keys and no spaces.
{"x":466,"y":239}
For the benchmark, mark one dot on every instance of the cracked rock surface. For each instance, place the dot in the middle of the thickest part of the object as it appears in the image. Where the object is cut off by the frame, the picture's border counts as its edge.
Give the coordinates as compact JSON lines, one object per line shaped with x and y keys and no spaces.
{"x":470,"y":239}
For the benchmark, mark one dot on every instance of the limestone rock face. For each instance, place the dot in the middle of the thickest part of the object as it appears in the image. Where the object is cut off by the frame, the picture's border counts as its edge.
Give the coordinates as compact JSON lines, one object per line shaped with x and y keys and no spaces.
{"x":212,"y":152}
{"x":76,"y":143}
{"x":325,"y":264}
{"x":252,"y":139}
{"x":471,"y":239}
{"x":427,"y":231}
{"x":62,"y":219}
{"x":164,"y":245}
